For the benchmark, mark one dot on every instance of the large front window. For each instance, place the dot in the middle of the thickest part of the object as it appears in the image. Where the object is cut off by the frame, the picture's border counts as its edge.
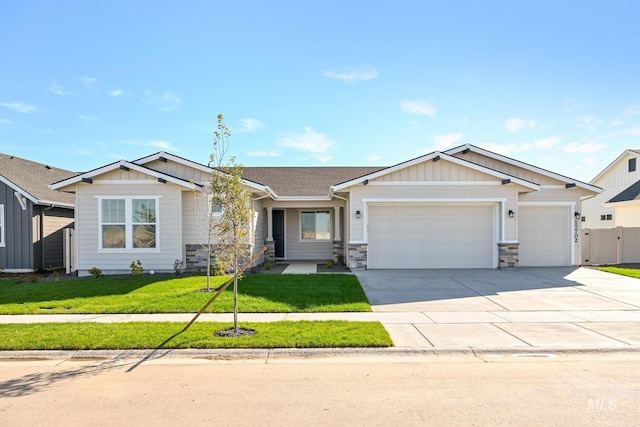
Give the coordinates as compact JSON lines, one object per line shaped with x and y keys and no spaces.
{"x":315,"y":225}
{"x":128,"y":223}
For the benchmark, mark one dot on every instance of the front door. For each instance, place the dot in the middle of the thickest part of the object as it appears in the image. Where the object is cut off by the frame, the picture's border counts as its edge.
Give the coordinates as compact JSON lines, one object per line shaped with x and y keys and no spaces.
{"x":278,"y":232}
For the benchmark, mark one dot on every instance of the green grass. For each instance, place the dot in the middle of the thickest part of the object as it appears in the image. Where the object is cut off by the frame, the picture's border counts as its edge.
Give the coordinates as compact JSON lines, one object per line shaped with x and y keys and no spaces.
{"x":631,"y":272}
{"x":151,"y":335}
{"x":168,"y":294}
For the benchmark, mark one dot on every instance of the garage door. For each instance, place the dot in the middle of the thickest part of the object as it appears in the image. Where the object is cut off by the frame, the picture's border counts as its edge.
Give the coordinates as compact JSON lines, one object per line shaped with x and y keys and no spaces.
{"x":543,"y":233}
{"x":419,"y":235}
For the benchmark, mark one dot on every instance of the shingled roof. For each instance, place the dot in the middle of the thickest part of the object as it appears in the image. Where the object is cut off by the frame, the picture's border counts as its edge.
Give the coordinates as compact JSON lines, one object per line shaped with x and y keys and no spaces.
{"x":305,"y":181}
{"x":32,"y":179}
{"x":631,"y":193}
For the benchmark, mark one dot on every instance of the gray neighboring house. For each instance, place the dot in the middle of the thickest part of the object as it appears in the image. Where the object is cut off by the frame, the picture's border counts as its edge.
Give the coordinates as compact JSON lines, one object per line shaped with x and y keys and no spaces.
{"x":32,"y":216}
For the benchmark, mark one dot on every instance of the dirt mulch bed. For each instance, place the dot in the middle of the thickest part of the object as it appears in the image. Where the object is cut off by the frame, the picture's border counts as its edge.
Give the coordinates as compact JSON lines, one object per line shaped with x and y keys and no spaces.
{"x":336,"y":268}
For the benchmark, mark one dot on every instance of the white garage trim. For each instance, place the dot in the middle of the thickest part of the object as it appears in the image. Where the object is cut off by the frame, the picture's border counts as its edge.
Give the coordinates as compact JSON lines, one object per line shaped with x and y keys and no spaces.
{"x":572,"y":225}
{"x":498,"y":226}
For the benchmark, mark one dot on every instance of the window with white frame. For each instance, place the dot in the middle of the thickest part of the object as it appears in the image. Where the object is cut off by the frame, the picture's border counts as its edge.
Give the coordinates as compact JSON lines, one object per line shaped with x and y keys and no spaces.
{"x":214,"y":207}
{"x":315,"y":225}
{"x":2,"y":241}
{"x":128,"y":223}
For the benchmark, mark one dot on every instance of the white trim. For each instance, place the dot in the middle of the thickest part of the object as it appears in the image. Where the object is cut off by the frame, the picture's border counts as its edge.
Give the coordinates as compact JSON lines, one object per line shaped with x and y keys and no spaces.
{"x":624,"y":203}
{"x":19,"y":270}
{"x":315,"y":211}
{"x":411,"y":183}
{"x":128,"y":224}
{"x":21,"y":199}
{"x":18,"y":189}
{"x":3,"y":242}
{"x":125,"y":181}
{"x":611,"y":165}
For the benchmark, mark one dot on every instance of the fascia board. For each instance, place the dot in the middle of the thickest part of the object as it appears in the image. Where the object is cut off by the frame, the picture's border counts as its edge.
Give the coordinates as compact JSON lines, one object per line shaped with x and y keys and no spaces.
{"x":523,"y":165}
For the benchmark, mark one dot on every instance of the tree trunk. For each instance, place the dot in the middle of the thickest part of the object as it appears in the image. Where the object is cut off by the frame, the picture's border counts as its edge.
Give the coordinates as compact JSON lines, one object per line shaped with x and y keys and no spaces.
{"x":235,"y":292}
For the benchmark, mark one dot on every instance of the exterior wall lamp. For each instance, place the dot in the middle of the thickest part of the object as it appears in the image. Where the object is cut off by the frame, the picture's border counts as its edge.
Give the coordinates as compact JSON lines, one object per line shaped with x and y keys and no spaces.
{"x":358,"y":215}
{"x":511,"y":213}
{"x":577,"y":215}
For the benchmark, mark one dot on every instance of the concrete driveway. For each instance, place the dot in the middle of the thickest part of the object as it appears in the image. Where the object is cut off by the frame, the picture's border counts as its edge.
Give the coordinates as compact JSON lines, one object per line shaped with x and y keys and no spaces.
{"x":531,"y":307}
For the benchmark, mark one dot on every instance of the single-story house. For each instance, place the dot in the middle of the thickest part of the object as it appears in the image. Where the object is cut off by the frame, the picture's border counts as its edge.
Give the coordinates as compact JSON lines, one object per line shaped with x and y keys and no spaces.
{"x":32,"y":216}
{"x":466,"y":207}
{"x":619,"y":203}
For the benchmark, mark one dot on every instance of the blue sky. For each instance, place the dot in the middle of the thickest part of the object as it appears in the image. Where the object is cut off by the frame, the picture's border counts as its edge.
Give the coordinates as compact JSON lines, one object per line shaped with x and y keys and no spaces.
{"x":552,"y":83}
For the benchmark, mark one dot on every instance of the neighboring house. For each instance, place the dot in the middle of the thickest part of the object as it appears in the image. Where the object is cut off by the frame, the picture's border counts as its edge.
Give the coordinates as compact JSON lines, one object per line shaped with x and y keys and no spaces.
{"x":619,"y":203}
{"x":463,"y":208}
{"x":32,"y":216}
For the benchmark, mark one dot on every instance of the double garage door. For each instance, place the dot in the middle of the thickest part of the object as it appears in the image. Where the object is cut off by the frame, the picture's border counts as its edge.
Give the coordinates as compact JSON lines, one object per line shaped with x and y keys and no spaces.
{"x":431,"y":235}
{"x":456,"y":235}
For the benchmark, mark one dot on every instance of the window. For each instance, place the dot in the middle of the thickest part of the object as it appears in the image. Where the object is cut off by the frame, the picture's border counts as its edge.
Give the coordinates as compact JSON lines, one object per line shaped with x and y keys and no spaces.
{"x":214,"y":207}
{"x":315,"y":225}
{"x":128,"y":223}
{"x":2,"y":241}
{"x":607,"y":217}
{"x":632,"y":165}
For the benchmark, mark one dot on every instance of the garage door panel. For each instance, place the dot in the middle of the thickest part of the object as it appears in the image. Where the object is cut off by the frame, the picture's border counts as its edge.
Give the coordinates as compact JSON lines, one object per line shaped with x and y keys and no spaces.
{"x":543,"y":234}
{"x":431,"y":236}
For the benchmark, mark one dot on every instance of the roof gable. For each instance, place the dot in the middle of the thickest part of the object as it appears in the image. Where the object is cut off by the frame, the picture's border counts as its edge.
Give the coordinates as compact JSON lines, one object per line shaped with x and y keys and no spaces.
{"x":31,"y":179}
{"x":615,"y":163}
{"x":629,"y":194}
{"x":467,"y":148}
{"x":88,"y":177}
{"x":434,"y":157}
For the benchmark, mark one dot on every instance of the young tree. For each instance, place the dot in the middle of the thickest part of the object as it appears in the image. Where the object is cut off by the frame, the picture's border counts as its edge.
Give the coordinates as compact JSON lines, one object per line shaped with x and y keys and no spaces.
{"x":231,"y":203}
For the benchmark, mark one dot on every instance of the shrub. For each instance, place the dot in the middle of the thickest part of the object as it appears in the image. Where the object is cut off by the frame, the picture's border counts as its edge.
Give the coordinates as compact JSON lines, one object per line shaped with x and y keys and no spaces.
{"x":217,"y":269}
{"x":32,"y":278}
{"x":329,"y":264}
{"x":267,"y":266}
{"x":95,"y":272}
{"x":54,"y":277}
{"x":136,"y":268}
{"x":178,"y":266}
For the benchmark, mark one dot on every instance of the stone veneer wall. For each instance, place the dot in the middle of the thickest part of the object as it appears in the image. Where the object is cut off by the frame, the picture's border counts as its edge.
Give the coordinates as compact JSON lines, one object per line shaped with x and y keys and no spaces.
{"x":508,"y":257}
{"x":357,"y":257}
{"x":338,"y":252}
{"x":197,"y":258}
{"x":270,"y":254}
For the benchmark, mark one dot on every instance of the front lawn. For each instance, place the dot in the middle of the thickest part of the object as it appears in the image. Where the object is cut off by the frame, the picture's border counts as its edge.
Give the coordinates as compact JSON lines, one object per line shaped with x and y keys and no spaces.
{"x":151,"y":335}
{"x":631,"y":272}
{"x":169,"y":294}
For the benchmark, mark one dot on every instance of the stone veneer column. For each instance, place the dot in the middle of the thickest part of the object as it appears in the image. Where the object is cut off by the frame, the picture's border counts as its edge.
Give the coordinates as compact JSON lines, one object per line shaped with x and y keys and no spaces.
{"x":357,"y":259}
{"x":338,"y":252}
{"x":508,"y":256}
{"x":270,"y":254}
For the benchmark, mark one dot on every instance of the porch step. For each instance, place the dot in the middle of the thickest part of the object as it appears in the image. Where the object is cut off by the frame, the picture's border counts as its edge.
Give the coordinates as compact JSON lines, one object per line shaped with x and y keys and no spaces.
{"x":301,"y":267}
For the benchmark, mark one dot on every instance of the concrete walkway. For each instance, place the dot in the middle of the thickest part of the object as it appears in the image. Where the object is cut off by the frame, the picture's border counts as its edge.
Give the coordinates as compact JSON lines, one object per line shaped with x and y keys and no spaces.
{"x":301,"y":267}
{"x":536,"y":309}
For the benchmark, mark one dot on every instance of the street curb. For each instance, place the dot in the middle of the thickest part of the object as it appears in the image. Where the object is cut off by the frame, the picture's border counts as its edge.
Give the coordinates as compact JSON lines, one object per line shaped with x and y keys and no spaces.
{"x":307,"y":353}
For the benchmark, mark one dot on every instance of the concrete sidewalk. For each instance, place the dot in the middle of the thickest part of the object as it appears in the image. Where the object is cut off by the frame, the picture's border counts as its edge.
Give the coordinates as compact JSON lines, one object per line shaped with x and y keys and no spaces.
{"x":437,"y":330}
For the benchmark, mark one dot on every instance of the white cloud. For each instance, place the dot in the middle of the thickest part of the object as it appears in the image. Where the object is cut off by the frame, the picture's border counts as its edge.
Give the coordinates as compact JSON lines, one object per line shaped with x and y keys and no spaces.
{"x":545,"y":143}
{"x":162,"y":145}
{"x":630,"y":111}
{"x":117,"y":93}
{"x":515,"y":124}
{"x":351,"y":74}
{"x":250,"y":125}
{"x":446,"y":141}
{"x":167,"y":101}
{"x":89,"y":81}
{"x":571,"y":104}
{"x":632,"y":131}
{"x":314,"y":143}
{"x":373,"y":157}
{"x":589,"y":123}
{"x":263,"y":154}
{"x":57,"y":88}
{"x":424,"y":108}
{"x":585,"y":148}
{"x":5,"y":121}
{"x":88,"y":119}
{"x":20,"y":107}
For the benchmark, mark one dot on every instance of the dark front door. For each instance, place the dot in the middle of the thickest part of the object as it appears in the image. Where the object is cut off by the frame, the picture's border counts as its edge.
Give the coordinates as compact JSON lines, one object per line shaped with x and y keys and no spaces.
{"x":278,"y":232}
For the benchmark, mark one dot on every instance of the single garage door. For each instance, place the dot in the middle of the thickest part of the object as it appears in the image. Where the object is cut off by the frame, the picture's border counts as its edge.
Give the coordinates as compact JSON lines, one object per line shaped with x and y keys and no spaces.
{"x":543,"y":233}
{"x":436,"y":235}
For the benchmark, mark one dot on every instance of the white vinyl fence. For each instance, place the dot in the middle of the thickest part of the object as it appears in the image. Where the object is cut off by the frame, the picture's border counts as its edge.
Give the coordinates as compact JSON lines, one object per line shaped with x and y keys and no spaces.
{"x":618,"y":245}
{"x":68,"y":246}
